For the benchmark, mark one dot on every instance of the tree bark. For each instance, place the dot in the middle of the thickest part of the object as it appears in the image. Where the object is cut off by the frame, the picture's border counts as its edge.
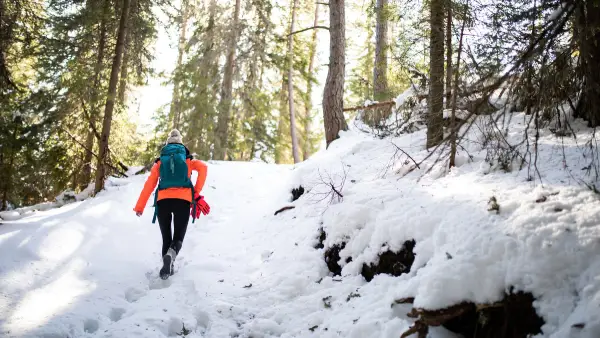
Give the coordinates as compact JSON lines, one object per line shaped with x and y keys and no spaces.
{"x":176,"y":100}
{"x":309,"y":87}
{"x":529,"y":69}
{"x":588,"y":21}
{"x":291,"y":84}
{"x":224,"y":106}
{"x":197,"y":128}
{"x":86,"y":172}
{"x":122,"y":94}
{"x":9,"y":169}
{"x":110,"y":99}
{"x":380,"y":83}
{"x":333,"y":94}
{"x":453,"y":125}
{"x":435,"y":128}
{"x":280,"y":144}
{"x":448,"y":54}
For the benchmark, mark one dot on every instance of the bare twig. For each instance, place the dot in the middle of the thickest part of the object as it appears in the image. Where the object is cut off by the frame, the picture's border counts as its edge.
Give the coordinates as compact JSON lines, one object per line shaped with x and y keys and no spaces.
{"x":308,"y":29}
{"x":123,"y":174}
{"x":407,"y":155}
{"x":334,"y":186}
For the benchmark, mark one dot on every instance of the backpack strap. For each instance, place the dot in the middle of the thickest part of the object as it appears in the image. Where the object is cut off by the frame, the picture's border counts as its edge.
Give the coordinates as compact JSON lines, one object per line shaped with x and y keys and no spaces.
{"x":193,"y":207}
{"x":155,"y":206}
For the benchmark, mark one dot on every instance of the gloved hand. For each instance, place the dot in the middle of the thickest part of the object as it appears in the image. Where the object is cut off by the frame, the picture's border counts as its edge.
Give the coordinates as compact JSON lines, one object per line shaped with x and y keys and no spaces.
{"x":201,"y":206}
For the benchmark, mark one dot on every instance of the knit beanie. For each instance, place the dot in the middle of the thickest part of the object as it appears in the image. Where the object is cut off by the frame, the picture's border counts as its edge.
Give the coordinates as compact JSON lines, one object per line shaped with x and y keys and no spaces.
{"x":175,"y":137}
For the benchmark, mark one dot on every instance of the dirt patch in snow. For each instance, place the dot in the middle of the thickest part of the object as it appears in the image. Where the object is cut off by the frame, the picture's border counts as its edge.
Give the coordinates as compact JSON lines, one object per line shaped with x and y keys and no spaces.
{"x":391,"y":263}
{"x":513,"y":317}
{"x":297,"y":192}
{"x":321,"y":239}
{"x":332,"y":258}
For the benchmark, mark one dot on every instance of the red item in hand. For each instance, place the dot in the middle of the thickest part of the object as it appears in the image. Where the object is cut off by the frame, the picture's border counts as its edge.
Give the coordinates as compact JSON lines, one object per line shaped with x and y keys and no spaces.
{"x":201,"y":206}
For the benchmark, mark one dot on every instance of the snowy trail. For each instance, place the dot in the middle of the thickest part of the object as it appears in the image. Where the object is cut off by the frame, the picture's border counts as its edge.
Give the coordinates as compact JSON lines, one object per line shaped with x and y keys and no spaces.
{"x":89,"y":268}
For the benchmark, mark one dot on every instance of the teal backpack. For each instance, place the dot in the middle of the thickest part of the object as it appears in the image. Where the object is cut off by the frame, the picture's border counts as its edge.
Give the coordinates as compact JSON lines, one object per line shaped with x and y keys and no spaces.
{"x":173,"y":172}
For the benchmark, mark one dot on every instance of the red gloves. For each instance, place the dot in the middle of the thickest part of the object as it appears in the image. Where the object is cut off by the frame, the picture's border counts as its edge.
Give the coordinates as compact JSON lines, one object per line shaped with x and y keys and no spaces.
{"x":201,"y":206}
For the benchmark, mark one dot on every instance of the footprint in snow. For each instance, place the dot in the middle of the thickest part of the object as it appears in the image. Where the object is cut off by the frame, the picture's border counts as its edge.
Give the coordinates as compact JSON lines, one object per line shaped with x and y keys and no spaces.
{"x":202,"y":318}
{"x":91,"y":325}
{"x":133,"y":294}
{"x":157,"y":284}
{"x":116,"y":314}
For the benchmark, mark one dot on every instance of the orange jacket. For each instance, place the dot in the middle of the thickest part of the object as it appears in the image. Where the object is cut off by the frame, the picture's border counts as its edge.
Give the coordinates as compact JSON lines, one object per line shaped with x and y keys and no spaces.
{"x":179,"y":193}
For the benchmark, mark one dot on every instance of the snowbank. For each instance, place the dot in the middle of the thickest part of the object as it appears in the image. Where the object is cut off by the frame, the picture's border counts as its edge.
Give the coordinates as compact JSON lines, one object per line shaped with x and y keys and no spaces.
{"x":544,"y":240}
{"x":64,"y":198}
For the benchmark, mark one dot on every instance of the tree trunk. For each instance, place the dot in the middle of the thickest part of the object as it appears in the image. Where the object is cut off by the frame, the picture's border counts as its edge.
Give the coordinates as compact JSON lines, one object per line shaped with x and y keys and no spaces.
{"x":86,"y":172}
{"x":380,"y":84}
{"x":588,"y":21}
{"x":9,"y":170}
{"x":435,"y":128}
{"x":453,"y":124}
{"x":110,"y":99}
{"x":176,"y":100}
{"x":333,"y":94}
{"x":291,"y":84}
{"x":529,"y":69}
{"x":448,"y":54}
{"x":198,"y":130}
{"x":280,"y":142}
{"x":309,"y":86}
{"x":249,"y":91}
{"x":126,"y":56}
{"x":224,"y":106}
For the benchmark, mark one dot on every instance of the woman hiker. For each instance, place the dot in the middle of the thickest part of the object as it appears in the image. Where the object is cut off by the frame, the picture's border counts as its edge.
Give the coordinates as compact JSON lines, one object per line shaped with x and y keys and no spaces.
{"x":174,"y":196}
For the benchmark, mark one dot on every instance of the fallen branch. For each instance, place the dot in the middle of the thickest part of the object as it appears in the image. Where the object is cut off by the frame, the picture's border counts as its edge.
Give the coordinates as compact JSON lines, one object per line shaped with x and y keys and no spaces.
{"x":407,"y":300}
{"x":289,"y":207}
{"x":372,"y":106}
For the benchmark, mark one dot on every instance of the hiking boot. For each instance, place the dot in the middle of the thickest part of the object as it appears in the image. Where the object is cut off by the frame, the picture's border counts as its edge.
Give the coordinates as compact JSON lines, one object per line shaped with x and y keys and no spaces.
{"x":168,"y":262}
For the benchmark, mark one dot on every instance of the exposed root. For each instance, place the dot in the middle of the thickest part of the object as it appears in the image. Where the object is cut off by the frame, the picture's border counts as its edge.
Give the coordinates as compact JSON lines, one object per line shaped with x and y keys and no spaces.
{"x":513,"y":317}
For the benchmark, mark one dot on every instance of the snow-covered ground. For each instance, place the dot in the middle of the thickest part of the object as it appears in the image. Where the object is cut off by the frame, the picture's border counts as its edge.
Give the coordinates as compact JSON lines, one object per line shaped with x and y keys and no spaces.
{"x":89,"y":269}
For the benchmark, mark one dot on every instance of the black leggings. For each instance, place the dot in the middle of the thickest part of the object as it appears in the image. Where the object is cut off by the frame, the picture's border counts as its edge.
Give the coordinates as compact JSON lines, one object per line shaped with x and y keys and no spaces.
{"x":180,"y":209}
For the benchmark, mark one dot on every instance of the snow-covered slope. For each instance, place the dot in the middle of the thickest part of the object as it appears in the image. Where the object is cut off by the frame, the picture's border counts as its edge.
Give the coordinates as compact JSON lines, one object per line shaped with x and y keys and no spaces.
{"x":89,"y":269}
{"x":545,"y":239}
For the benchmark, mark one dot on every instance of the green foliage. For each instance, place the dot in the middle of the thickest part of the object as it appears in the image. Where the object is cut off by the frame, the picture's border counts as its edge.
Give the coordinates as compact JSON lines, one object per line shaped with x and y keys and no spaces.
{"x":53,"y":54}
{"x":258,"y":129}
{"x":402,"y":52}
